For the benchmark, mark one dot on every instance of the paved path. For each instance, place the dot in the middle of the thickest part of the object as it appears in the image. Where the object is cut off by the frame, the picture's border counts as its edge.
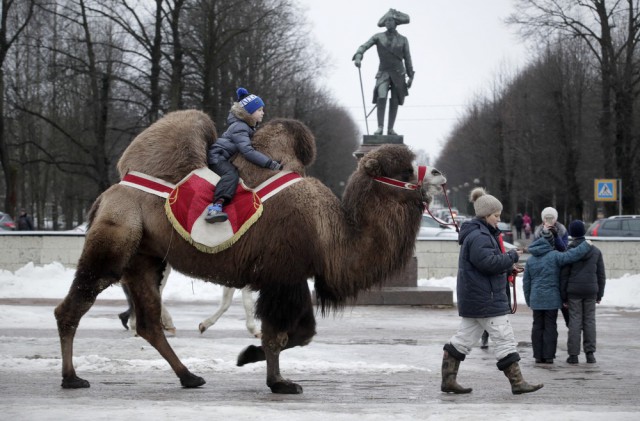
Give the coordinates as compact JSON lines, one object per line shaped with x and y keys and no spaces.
{"x":343,"y":386}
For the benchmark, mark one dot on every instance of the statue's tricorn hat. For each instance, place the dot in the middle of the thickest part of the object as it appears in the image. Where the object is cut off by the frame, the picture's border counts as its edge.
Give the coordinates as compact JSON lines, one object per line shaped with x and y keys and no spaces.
{"x":399,"y":17}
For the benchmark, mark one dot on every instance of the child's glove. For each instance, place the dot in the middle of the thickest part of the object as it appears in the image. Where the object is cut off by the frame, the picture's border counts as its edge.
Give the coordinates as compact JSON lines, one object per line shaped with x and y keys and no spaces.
{"x":274,"y":165}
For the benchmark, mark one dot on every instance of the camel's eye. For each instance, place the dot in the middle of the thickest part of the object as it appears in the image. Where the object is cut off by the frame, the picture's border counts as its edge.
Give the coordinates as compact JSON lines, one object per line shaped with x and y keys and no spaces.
{"x":406,"y":175}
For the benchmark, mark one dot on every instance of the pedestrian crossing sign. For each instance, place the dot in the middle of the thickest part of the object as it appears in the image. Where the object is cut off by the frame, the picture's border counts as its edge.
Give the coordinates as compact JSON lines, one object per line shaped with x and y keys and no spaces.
{"x":605,"y":190}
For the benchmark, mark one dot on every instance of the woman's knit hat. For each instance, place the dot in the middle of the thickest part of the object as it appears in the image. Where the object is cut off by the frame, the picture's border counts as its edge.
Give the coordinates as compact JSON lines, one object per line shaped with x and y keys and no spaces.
{"x":549,"y":215}
{"x":250,"y":102}
{"x":483,"y":203}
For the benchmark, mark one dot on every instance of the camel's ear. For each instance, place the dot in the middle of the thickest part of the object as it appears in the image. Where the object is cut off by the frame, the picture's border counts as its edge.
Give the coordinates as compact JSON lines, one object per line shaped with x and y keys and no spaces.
{"x":371,"y":166}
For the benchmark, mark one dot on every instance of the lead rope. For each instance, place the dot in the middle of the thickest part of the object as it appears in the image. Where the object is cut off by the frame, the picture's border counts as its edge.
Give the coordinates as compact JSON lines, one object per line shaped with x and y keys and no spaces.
{"x":446,"y":198}
{"x":511,"y":277}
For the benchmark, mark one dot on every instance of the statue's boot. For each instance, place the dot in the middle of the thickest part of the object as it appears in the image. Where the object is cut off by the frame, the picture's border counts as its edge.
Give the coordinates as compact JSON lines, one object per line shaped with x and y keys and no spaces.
{"x":381,"y":104}
{"x":393,"y":112}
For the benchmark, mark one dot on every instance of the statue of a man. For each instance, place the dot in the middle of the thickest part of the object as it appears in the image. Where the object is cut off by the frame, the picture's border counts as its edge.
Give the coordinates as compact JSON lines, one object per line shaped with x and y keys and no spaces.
{"x":395,"y":67}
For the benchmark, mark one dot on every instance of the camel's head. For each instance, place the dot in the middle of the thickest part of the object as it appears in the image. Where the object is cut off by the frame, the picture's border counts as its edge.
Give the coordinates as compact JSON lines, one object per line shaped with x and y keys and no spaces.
{"x":432,"y":182}
{"x":392,"y":165}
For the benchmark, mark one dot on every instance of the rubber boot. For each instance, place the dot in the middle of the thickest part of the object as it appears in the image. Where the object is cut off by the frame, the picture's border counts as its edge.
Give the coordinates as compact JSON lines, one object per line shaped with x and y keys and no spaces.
{"x":518,"y":384}
{"x":450,"y":367}
{"x":484,"y":344}
{"x":382,"y":105}
{"x":393,"y":112}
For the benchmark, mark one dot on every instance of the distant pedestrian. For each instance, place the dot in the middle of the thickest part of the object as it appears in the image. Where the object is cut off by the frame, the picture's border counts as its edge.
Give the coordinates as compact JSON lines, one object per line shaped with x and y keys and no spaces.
{"x":25,"y":222}
{"x":541,"y":285}
{"x":482,"y":297}
{"x":526,"y":225}
{"x":581,"y":288}
{"x":518,"y":222}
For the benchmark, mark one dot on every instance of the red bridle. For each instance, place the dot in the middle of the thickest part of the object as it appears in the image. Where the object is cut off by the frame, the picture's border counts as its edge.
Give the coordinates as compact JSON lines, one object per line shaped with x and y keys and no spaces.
{"x":422,"y":171}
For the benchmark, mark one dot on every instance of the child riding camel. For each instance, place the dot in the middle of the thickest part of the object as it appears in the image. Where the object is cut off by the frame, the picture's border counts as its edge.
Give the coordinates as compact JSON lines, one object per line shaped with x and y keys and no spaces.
{"x":243,"y":118}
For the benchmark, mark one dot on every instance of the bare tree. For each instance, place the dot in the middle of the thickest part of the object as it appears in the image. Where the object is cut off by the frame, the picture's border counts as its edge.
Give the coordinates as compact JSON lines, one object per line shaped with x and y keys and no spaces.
{"x":15,"y":17}
{"x":612,"y":35}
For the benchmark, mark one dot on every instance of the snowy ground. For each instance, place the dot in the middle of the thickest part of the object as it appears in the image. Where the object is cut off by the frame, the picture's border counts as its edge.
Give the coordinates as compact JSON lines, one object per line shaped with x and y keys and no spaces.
{"x":369,"y":363}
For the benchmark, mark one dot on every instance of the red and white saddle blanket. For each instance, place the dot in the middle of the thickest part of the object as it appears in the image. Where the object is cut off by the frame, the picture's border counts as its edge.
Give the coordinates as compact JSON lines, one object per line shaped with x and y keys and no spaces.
{"x":186,"y":205}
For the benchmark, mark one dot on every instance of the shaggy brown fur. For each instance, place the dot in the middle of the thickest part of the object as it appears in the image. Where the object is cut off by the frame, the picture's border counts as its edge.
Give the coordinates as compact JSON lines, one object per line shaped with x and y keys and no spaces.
{"x":304,"y":232}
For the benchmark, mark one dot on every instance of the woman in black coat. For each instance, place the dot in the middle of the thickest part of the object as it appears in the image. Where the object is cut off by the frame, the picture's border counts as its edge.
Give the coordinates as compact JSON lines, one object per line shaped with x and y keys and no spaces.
{"x":482,"y":297}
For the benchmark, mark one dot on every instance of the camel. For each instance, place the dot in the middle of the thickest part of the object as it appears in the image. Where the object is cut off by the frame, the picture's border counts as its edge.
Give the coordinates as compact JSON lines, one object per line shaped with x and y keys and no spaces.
{"x":304,"y":232}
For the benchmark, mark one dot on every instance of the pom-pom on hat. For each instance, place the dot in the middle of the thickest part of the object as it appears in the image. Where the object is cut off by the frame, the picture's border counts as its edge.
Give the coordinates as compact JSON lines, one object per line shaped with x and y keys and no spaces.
{"x":250,"y":102}
{"x":577,"y":229}
{"x":549,"y":215}
{"x":483,"y":203}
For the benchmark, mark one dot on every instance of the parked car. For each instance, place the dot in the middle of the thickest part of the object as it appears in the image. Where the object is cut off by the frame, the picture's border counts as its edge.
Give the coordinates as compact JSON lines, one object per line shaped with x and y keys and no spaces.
{"x":507,"y":232}
{"x":616,"y":226}
{"x":6,"y":222}
{"x":430,"y":228}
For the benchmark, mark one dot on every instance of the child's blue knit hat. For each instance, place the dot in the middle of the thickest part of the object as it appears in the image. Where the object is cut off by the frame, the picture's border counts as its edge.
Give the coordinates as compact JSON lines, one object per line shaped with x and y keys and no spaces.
{"x":250,"y":102}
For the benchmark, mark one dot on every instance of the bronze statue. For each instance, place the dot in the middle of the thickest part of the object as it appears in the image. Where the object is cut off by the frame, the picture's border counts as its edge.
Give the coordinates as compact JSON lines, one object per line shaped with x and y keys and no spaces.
{"x":393,"y":49}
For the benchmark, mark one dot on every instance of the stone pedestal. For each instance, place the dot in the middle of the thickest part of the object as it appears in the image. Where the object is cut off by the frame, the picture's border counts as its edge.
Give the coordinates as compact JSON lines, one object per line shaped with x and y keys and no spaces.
{"x":370,"y":142}
{"x":403,"y":289}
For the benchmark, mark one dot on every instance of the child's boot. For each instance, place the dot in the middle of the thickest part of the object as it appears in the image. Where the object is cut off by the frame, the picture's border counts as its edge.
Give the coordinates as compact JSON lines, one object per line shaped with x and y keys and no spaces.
{"x":215,"y":214}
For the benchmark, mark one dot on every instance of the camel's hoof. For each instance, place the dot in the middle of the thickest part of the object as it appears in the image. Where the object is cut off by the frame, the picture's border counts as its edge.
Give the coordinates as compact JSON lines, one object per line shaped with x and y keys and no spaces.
{"x":202,"y":327}
{"x":251,"y":354}
{"x":170,"y":331}
{"x":74,"y":382}
{"x":124,"y":319}
{"x":286,"y":388}
{"x":191,"y":380}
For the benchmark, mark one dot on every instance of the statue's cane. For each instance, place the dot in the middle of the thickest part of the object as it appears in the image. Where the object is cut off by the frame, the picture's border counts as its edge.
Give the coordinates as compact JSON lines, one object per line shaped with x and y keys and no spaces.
{"x":364,"y":107}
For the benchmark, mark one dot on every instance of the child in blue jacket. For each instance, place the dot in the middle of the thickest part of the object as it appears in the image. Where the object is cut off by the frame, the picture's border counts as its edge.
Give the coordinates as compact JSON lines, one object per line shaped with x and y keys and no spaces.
{"x":243,"y":118}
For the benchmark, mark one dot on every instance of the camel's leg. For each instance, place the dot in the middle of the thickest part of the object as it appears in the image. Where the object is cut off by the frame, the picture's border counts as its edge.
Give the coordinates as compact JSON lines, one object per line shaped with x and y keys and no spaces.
{"x":287,"y":321}
{"x":167,"y":320}
{"x":247,"y":302}
{"x":85,"y":287}
{"x":108,"y":248}
{"x":125,"y":315}
{"x":143,"y":277}
{"x":227,"y":298}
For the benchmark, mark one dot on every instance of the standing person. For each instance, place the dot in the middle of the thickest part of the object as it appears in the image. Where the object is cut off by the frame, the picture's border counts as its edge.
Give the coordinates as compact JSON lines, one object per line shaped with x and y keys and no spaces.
{"x":395,"y":66}
{"x":541,"y":285}
{"x":482,"y":297}
{"x":25,"y":222}
{"x":550,"y":219}
{"x":526,"y":224}
{"x":243,"y":118}
{"x":581,"y":288}
{"x":561,"y":241}
{"x":518,"y":222}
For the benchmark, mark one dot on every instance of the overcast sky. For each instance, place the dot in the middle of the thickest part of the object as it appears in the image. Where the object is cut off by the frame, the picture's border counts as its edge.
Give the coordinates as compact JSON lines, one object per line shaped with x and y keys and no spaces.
{"x":458,"y":47}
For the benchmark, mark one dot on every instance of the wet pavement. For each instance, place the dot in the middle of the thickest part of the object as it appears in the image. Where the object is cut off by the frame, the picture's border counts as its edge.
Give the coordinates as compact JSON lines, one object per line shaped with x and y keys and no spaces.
{"x":370,"y":362}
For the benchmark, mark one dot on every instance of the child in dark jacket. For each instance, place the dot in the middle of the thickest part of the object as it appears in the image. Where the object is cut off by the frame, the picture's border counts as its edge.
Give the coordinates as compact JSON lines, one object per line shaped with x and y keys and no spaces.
{"x":243,"y":118}
{"x":581,"y":288}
